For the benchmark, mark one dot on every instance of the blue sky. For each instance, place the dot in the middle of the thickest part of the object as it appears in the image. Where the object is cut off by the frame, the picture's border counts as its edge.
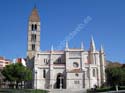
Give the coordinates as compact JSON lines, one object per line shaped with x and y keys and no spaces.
{"x":58,"y":19}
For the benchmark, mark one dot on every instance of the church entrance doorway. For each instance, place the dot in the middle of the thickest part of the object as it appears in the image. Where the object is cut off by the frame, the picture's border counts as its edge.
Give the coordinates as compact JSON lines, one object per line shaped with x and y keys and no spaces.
{"x":60,"y":81}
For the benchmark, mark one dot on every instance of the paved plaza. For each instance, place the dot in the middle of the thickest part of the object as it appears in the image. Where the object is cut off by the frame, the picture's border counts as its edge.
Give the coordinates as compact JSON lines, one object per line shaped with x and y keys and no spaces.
{"x":67,"y":91}
{"x":79,"y":91}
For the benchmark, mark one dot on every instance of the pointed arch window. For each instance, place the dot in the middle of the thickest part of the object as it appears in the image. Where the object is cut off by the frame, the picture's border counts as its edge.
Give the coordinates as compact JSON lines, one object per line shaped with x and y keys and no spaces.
{"x":44,"y":73}
{"x":32,"y":27}
{"x":59,"y":60}
{"x":46,"y":61}
{"x":94,"y":72}
{"x":35,"y":27}
{"x":33,"y":37}
{"x":33,"y":47}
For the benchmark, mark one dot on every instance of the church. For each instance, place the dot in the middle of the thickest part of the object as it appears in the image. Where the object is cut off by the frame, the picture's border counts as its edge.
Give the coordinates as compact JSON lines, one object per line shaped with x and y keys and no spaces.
{"x":71,"y":68}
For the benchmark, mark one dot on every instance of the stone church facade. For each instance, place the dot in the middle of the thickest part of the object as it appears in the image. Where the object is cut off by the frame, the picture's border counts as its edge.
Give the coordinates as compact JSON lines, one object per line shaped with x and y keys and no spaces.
{"x":71,"y":68}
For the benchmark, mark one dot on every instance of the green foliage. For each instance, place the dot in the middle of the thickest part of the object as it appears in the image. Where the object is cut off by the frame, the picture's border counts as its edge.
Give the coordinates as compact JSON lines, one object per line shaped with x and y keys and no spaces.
{"x":115,"y":75}
{"x":8,"y":72}
{"x":17,"y":73}
{"x":22,"y":91}
{"x":98,"y":90}
{"x":123,"y":77}
{"x":105,"y":89}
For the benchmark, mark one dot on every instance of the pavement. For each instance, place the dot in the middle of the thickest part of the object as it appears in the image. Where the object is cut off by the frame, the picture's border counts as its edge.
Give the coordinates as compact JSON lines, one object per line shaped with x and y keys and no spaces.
{"x":67,"y":91}
{"x":79,"y":91}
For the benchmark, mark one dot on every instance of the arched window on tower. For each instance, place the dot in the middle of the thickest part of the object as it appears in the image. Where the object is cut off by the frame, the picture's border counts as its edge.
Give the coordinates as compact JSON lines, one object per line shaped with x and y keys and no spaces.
{"x":33,"y":47}
{"x":33,"y":27}
{"x":33,"y":37}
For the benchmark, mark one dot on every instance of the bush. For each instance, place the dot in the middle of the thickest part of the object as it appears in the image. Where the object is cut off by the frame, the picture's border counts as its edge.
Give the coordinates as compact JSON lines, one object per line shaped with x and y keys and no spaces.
{"x":104,"y":89}
{"x":122,"y":88}
{"x":22,"y":91}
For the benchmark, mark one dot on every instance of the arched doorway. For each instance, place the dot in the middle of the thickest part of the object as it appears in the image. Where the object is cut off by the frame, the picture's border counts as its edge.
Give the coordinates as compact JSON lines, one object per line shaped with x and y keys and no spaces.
{"x":60,"y":81}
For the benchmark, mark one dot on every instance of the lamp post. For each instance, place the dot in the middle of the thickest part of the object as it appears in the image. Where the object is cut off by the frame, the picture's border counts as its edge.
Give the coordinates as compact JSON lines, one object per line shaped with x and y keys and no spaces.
{"x":36,"y":79}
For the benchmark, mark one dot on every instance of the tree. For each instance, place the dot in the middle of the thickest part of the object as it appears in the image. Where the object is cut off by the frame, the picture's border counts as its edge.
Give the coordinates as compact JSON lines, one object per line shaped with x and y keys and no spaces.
{"x":123,"y":76}
{"x":17,"y":73}
{"x":115,"y":75}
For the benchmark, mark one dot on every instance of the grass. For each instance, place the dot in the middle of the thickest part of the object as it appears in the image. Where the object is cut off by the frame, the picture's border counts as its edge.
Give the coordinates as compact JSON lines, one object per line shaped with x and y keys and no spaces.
{"x":22,"y":91}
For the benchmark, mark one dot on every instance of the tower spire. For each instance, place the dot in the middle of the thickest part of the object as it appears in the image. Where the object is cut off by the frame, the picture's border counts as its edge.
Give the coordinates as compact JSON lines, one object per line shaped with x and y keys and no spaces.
{"x":102,"y":49}
{"x":92,"y":44}
{"x":34,"y":17}
{"x":82,"y":45}
{"x":52,"y":48}
{"x":67,"y":45}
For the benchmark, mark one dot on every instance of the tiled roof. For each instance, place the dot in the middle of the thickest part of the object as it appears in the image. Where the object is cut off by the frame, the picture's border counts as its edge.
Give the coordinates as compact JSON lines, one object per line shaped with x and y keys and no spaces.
{"x":8,"y":60}
{"x":1,"y":58}
{"x":34,"y":16}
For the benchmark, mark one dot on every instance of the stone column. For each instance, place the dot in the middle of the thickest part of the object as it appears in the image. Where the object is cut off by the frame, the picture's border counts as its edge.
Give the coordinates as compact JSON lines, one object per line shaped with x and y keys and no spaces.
{"x":90,"y":75}
{"x":51,"y":70}
{"x":102,"y":66}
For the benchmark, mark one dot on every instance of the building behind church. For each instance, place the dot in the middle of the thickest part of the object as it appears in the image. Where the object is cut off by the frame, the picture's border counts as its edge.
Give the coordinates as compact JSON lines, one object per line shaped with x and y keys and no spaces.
{"x":71,"y":68}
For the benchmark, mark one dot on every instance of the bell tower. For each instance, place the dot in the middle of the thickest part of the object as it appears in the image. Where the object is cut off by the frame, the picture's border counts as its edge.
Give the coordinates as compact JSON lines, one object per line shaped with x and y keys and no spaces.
{"x":33,"y":33}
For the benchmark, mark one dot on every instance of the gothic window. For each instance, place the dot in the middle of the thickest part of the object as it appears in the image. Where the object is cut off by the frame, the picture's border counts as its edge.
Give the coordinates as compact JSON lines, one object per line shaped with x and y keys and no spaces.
{"x":33,"y":37}
{"x":75,"y":64}
{"x":46,"y":61}
{"x":44,"y":73}
{"x":94,"y":72}
{"x":33,"y":47}
{"x":33,"y":27}
{"x":59,"y":60}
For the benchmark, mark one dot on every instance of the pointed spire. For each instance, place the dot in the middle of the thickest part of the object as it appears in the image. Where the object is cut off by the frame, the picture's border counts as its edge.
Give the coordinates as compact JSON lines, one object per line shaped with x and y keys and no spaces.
{"x":101,"y":50}
{"x":82,"y":45}
{"x":67,"y":45}
{"x":34,"y":17}
{"x":92,"y":44}
{"x":52,"y":48}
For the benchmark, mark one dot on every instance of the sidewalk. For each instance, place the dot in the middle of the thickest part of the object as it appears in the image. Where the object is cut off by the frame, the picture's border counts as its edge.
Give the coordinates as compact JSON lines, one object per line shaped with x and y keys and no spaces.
{"x":67,"y":91}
